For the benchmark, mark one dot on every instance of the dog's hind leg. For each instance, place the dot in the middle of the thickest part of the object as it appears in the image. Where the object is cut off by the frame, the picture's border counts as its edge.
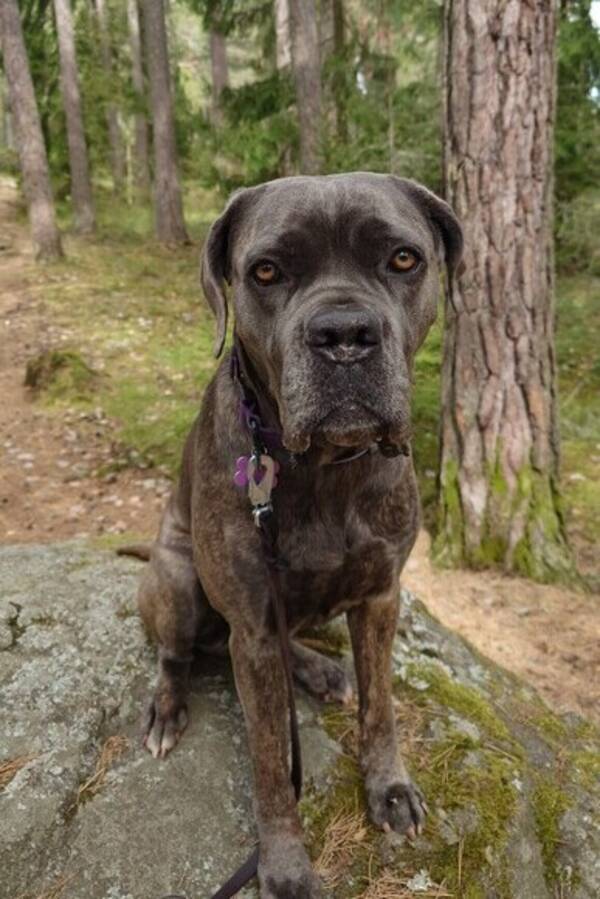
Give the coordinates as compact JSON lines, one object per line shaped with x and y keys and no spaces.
{"x":170,"y":603}
{"x":319,"y":675}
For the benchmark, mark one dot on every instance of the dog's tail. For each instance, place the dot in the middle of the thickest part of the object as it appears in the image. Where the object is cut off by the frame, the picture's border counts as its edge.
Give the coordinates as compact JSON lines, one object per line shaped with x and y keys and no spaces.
{"x":139,"y":550}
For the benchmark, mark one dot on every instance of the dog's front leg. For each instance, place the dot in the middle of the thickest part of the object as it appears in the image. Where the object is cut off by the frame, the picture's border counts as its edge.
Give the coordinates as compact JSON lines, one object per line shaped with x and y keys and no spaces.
{"x":285,"y":871}
{"x":394,"y":802}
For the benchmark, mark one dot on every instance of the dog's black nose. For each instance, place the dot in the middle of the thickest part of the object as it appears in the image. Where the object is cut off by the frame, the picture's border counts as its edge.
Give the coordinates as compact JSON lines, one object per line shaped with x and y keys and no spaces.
{"x":343,"y":333}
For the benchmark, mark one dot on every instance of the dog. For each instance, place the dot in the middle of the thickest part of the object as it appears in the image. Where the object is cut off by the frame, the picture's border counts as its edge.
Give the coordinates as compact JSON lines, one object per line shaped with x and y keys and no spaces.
{"x":334,"y":282}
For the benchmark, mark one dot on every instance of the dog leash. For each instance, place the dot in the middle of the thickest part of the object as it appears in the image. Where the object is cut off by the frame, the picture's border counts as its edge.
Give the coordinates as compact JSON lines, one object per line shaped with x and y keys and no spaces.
{"x":259,"y":472}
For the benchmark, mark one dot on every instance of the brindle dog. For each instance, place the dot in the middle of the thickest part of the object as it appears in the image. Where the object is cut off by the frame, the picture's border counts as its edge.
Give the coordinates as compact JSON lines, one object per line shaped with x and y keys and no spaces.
{"x":334,"y":283}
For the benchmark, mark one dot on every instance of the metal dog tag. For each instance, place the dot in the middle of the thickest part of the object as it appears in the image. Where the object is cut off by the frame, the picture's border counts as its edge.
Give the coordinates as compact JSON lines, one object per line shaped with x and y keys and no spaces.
{"x":259,"y":492}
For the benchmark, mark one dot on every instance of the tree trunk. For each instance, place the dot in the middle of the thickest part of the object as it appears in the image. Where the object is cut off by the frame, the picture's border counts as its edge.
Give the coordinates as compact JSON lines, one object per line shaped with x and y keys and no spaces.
{"x":282,"y":34}
{"x":307,"y":77}
{"x":499,"y":499}
{"x":115,"y":137}
{"x":30,"y":142}
{"x":219,"y":72}
{"x":339,"y":81}
{"x":141,"y":166}
{"x":170,"y":225}
{"x":81,"y":186}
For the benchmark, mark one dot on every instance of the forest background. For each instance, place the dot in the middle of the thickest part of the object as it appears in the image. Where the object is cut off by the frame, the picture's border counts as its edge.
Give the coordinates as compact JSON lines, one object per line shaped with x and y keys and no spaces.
{"x":236,"y":118}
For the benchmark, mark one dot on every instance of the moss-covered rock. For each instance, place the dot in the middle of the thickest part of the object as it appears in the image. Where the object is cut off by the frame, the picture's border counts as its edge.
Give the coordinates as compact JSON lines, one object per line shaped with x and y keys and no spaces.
{"x":61,"y":374}
{"x":513,"y":790}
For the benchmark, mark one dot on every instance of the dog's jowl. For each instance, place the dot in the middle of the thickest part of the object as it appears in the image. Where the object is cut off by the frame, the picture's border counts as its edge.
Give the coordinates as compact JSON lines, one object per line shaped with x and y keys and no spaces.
{"x":334,"y":283}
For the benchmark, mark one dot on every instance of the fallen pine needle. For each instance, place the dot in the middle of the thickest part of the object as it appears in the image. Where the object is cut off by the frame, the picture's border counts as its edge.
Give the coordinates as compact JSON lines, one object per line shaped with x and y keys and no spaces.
{"x":11,"y":767}
{"x":112,"y":750}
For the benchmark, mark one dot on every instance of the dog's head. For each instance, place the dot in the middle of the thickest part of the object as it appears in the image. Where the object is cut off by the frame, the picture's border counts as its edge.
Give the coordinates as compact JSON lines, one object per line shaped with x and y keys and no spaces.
{"x":335,"y":281}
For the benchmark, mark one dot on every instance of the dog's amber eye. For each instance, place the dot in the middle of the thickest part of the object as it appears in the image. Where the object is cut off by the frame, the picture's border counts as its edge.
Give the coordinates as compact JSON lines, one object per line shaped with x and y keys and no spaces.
{"x":266,"y":273}
{"x":403,"y":261}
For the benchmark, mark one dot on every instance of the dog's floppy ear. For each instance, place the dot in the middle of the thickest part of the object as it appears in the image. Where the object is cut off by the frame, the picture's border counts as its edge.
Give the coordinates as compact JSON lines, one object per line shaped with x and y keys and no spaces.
{"x":215,"y":268}
{"x":442,"y":218}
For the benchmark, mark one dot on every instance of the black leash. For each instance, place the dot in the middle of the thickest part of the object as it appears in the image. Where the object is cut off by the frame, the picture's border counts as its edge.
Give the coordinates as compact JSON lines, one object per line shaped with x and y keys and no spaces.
{"x":260,"y":471}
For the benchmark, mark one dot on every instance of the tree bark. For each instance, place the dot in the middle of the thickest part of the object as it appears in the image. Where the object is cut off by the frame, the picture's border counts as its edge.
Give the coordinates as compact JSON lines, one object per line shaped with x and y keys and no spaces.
{"x":30,"y":142}
{"x":141,"y":166}
{"x":499,"y":501}
{"x":170,"y":224}
{"x":81,"y":186}
{"x":115,"y":137}
{"x":219,"y":72}
{"x":307,"y":77}
{"x":282,"y":34}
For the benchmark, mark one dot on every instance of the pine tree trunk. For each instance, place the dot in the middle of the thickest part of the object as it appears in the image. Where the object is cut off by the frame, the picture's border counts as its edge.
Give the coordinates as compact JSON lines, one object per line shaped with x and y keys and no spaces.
{"x":141,"y":166}
{"x":170,"y":225}
{"x":30,"y":142}
{"x":499,"y":442}
{"x":219,"y":72}
{"x":282,"y":34}
{"x":81,"y":186}
{"x":115,"y":137}
{"x":307,"y":77}
{"x":339,"y":82}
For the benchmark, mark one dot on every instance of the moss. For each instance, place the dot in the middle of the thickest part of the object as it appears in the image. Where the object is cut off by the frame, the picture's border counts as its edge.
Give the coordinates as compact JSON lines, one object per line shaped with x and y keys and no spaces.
{"x":462,"y":699}
{"x":552,"y":728}
{"x":60,"y":374}
{"x":112,"y":542}
{"x":486,"y":792}
{"x":585,"y":767}
{"x":448,"y":546}
{"x":549,"y":804}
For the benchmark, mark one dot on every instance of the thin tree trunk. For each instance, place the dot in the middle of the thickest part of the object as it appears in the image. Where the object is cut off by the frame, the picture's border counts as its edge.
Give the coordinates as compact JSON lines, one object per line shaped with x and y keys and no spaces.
{"x":141,"y":167}
{"x":81,"y":186}
{"x":30,"y":142}
{"x":219,"y":72}
{"x":307,"y":77}
{"x":115,"y":137}
{"x":339,"y":82}
{"x":282,"y":34}
{"x":170,"y":224}
{"x":499,"y":441}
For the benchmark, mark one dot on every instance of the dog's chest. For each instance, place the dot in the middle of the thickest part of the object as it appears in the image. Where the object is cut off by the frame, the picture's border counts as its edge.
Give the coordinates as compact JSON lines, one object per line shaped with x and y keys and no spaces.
{"x":332,"y":566}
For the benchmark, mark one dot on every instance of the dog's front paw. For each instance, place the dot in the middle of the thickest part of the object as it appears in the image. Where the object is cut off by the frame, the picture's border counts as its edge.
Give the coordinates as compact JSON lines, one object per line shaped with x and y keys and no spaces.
{"x":165,"y":722}
{"x":285,"y":872}
{"x":398,"y":806}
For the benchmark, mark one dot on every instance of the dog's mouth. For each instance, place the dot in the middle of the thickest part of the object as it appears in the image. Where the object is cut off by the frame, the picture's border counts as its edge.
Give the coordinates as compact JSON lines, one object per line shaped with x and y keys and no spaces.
{"x":349,"y":425}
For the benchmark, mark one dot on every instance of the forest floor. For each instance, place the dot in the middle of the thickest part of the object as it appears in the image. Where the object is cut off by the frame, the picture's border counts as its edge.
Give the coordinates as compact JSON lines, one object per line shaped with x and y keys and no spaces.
{"x":93,"y":452}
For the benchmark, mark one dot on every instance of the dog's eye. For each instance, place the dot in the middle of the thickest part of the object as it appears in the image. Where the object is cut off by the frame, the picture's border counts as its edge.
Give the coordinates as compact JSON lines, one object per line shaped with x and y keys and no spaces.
{"x":404,"y":260}
{"x":266,"y":273}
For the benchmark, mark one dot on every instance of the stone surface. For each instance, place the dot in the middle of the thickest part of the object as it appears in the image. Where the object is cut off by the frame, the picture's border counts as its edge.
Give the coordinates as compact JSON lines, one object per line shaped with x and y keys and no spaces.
{"x":75,"y":671}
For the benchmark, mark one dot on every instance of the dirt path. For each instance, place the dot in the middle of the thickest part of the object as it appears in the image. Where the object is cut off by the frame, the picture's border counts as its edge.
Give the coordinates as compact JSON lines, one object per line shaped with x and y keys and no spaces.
{"x":52,"y":464}
{"x":52,"y":487}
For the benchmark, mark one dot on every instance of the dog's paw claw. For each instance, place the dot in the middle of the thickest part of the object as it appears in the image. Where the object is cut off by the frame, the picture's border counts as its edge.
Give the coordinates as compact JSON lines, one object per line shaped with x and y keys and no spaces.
{"x":163,"y":731}
{"x":400,"y":807}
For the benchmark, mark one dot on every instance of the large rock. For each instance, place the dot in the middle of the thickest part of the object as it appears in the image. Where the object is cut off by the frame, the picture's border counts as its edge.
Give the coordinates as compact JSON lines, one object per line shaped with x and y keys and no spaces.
{"x":85,"y":813}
